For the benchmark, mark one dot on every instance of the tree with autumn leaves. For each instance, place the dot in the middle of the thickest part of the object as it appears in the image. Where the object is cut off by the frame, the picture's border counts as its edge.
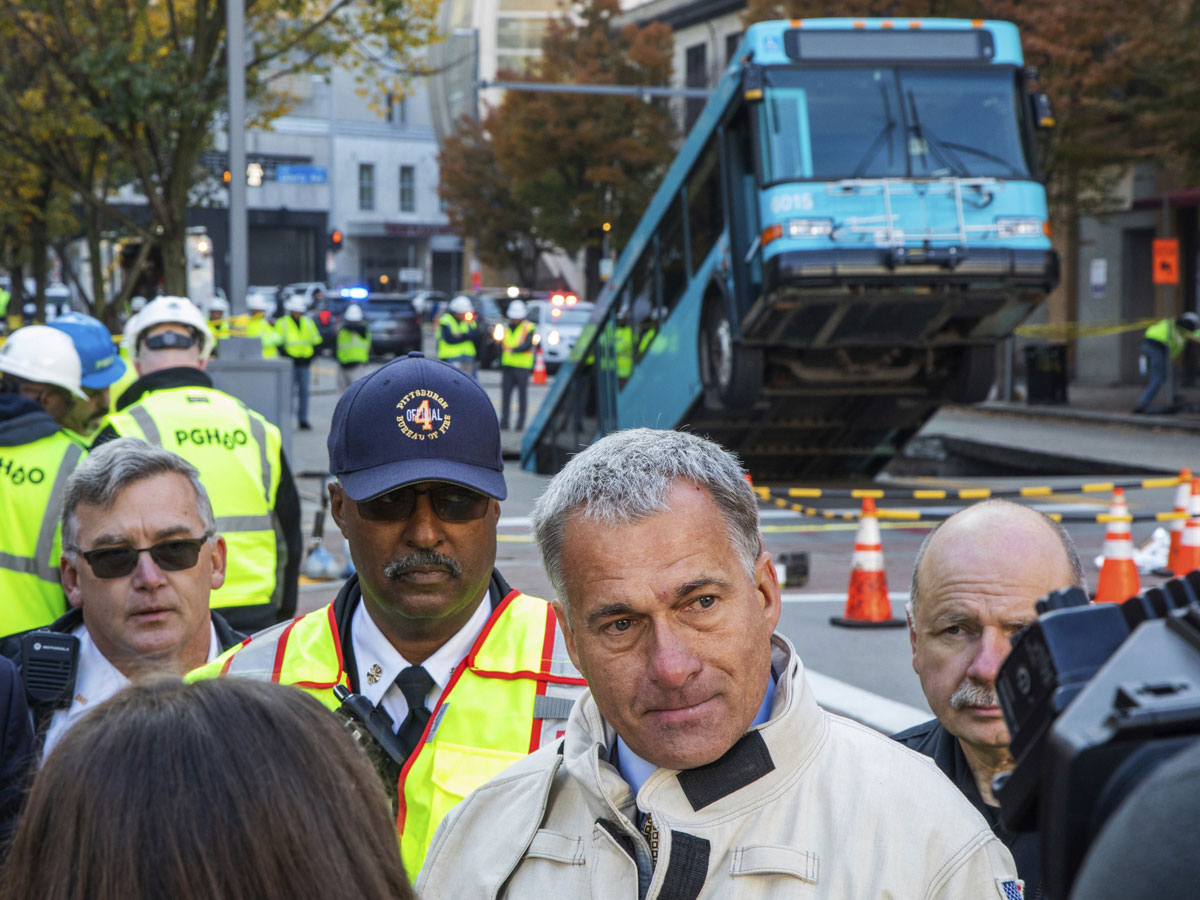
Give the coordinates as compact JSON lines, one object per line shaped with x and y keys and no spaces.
{"x":99,"y":96}
{"x":544,"y":170}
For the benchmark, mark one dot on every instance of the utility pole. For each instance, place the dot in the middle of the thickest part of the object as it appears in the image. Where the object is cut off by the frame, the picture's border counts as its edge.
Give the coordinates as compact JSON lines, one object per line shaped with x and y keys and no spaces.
{"x":235,"y":59}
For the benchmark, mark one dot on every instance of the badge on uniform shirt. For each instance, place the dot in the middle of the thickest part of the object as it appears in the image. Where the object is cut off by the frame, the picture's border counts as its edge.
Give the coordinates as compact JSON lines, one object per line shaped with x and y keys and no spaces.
{"x":374,"y":673}
{"x":1011,"y":888}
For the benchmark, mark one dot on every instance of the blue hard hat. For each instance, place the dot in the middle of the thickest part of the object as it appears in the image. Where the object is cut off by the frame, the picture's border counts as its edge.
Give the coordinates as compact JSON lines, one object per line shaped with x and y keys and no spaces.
{"x":102,"y":365}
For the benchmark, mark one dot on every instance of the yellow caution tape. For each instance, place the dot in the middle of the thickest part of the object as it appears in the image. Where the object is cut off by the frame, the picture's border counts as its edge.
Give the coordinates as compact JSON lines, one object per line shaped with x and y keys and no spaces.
{"x":981,"y":493}
{"x":1059,"y":332}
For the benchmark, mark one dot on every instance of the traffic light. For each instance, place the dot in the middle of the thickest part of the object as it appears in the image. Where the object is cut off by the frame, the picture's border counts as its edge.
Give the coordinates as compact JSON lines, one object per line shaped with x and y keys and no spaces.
{"x":335,"y":240}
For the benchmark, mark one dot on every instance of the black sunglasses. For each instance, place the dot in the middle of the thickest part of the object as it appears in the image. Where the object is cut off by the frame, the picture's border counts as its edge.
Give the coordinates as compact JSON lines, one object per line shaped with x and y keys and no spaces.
{"x":170,"y":556}
{"x":451,"y":503}
{"x":170,"y":340}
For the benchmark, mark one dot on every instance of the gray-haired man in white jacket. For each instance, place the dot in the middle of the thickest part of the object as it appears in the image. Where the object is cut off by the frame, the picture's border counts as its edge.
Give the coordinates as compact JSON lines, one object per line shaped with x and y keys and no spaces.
{"x":699,"y":765}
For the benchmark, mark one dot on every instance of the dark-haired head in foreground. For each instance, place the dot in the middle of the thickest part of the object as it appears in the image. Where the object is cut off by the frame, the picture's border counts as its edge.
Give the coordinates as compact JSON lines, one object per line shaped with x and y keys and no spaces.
{"x":227,"y":788}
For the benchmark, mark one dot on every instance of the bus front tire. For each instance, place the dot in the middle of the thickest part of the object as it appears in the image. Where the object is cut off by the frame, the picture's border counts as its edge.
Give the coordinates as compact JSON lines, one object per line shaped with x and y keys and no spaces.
{"x":730,"y":372}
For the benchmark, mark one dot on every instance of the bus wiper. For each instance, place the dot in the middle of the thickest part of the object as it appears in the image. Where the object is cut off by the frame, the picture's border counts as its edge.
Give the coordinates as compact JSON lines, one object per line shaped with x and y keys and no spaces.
{"x":941,"y":151}
{"x":884,"y":137}
{"x":1013,"y":171}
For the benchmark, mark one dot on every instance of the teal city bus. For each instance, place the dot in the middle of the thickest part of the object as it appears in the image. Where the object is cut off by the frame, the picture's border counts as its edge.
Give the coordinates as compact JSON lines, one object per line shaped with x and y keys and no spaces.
{"x":853,"y":223}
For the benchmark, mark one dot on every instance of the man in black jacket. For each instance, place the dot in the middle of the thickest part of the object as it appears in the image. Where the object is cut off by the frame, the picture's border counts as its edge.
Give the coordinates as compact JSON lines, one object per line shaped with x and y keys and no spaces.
{"x":140,"y":557}
{"x":975,"y":583}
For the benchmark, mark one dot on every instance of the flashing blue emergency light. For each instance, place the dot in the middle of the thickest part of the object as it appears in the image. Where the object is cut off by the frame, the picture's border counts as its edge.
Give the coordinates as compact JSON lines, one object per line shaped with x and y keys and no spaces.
{"x":355,"y":293}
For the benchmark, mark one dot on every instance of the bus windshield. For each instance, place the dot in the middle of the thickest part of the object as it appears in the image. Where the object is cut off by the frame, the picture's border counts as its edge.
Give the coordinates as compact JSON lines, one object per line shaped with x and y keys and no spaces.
{"x":825,"y":124}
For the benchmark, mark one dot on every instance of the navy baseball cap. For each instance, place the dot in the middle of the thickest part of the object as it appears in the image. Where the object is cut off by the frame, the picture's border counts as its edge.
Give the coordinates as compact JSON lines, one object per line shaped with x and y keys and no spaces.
{"x":415,"y":419}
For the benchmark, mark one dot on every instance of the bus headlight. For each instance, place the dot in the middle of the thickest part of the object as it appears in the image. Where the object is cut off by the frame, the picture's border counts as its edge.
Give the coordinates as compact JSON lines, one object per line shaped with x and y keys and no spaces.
{"x":809,"y":228}
{"x":553,"y":338}
{"x":1014,"y":227}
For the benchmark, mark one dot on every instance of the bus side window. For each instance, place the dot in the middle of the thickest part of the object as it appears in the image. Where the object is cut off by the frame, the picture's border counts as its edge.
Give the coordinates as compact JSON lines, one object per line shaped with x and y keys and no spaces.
{"x":706,"y":218}
{"x":671,"y":260}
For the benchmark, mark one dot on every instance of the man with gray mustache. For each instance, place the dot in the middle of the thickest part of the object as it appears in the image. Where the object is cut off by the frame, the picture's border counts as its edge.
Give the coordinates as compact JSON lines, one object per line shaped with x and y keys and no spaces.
{"x":976,"y":581}
{"x":466,"y":674}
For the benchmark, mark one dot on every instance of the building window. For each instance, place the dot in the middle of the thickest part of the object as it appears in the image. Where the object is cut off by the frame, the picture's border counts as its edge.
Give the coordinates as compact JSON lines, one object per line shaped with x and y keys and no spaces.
{"x":731,"y":44}
{"x":696,"y":62}
{"x":366,"y":186}
{"x":397,"y":109}
{"x":408,"y":192}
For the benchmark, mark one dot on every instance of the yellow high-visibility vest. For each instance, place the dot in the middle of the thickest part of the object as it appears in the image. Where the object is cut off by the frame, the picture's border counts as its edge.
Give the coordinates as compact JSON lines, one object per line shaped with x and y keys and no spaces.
{"x":488,"y":717}
{"x":446,"y":350}
{"x":300,"y":339}
{"x":353,"y":347}
{"x":237,"y":453}
{"x":33,"y":479}
{"x":514,"y":338}
{"x":259,"y":327}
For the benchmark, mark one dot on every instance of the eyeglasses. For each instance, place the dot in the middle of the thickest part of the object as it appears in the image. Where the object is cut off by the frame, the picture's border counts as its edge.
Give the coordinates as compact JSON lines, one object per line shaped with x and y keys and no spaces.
{"x":170,"y":340}
{"x":451,"y":503}
{"x":170,"y":556}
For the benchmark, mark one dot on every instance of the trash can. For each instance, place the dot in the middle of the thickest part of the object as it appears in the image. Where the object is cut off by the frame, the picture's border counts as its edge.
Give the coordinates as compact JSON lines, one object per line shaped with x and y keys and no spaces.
{"x":1046,"y":373}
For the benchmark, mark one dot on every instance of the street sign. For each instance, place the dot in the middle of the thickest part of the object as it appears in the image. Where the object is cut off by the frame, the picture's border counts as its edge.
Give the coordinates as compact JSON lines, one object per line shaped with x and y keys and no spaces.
{"x":1166,"y":261}
{"x":298,"y":174}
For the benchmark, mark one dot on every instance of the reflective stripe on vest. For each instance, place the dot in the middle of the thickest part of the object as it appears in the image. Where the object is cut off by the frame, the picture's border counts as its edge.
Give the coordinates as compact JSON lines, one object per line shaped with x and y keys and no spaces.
{"x":513,"y":338}
{"x":237,"y":453}
{"x":30,"y":579}
{"x":353,"y":347}
{"x":446,"y":350}
{"x":488,"y":716}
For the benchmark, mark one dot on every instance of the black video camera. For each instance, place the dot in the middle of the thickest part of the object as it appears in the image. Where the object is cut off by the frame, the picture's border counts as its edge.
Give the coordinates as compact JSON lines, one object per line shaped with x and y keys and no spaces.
{"x":1095,"y":696}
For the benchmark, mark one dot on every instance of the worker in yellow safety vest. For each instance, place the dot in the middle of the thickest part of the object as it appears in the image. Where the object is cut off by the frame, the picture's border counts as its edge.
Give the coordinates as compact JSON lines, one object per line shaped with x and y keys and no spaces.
{"x":449,"y":672}
{"x":40,"y":385}
{"x":457,"y":333}
{"x":298,"y":340}
{"x":218,"y":320}
{"x":259,"y":326}
{"x":1161,"y":345}
{"x":516,"y":362}
{"x":353,"y":346}
{"x":238,"y":453}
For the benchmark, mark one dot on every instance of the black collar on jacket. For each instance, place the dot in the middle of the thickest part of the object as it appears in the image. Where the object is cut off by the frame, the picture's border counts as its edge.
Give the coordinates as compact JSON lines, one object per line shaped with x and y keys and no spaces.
{"x":347,"y":600}
{"x":178,"y":376}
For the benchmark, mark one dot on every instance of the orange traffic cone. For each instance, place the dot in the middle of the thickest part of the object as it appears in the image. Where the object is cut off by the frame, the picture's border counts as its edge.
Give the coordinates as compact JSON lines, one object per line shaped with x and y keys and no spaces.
{"x":1183,"y":496}
{"x":867,"y":604}
{"x":1188,"y":557}
{"x":1118,"y":574}
{"x":539,"y":367}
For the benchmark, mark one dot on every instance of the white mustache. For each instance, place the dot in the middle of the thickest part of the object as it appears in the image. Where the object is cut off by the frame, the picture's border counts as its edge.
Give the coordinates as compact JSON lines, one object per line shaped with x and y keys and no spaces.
{"x":970,"y":694}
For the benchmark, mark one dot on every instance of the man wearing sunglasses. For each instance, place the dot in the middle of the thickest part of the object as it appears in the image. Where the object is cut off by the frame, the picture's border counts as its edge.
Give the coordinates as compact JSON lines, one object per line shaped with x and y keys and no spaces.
{"x":40,"y":386}
{"x":140,"y":557}
{"x":469,"y":674}
{"x":173,"y":404}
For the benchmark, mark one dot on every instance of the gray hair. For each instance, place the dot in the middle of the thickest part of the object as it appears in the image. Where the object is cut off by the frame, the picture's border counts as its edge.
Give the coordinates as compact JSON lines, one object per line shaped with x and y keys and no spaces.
{"x":115,"y":465}
{"x":625,"y":477}
{"x":1078,"y":576}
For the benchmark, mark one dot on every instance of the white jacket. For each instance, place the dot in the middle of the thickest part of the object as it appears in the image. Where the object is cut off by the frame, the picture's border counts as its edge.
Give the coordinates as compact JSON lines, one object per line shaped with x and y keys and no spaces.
{"x":807,"y":805}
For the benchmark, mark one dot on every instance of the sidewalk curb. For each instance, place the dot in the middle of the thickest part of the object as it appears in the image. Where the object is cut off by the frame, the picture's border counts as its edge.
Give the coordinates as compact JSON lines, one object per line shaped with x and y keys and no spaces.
{"x":1090,"y":416}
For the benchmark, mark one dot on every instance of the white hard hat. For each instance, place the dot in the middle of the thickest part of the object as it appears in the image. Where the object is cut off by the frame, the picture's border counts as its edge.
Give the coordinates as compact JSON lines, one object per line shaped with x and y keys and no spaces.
{"x":295,"y":303}
{"x":461,"y":305}
{"x":45,"y":355}
{"x":354,"y":313}
{"x":218,"y":304}
{"x":256,"y":302}
{"x":161,"y":310}
{"x":517,"y":310}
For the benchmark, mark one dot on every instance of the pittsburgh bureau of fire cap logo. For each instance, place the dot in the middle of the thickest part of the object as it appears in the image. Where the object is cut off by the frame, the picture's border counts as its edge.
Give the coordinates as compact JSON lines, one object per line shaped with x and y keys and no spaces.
{"x":424,"y":415}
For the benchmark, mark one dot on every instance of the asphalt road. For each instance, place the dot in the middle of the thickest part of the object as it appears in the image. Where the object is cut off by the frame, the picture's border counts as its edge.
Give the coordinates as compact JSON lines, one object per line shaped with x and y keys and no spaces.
{"x":866,"y":673}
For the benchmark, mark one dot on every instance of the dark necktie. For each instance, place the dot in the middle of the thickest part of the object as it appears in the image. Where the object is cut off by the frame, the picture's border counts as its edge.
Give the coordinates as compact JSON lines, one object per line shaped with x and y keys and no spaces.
{"x":651,"y":834}
{"x":414,"y":683}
